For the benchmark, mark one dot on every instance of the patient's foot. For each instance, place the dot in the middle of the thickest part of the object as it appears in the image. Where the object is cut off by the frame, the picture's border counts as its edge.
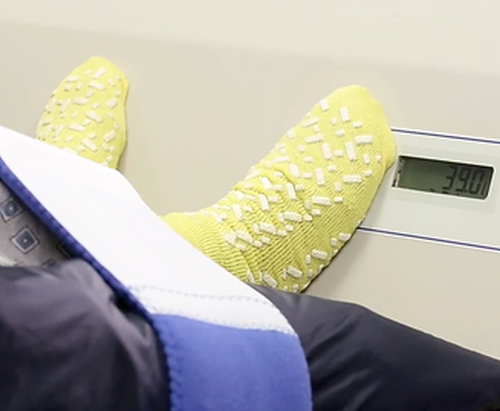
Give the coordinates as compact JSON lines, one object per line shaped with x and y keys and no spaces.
{"x":86,"y":113}
{"x":298,"y":207}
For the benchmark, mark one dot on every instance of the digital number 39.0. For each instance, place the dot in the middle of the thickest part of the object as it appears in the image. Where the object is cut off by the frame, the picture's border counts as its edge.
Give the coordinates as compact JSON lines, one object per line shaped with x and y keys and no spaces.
{"x":465,"y":179}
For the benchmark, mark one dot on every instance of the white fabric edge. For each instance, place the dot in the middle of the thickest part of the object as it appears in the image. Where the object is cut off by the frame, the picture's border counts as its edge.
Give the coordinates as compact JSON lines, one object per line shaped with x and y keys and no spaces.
{"x":103,"y":212}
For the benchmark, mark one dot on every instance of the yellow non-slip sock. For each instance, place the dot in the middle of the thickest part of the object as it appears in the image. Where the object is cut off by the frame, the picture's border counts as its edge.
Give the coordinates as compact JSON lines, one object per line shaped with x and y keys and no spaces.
{"x":295,"y":210}
{"x":86,"y":113}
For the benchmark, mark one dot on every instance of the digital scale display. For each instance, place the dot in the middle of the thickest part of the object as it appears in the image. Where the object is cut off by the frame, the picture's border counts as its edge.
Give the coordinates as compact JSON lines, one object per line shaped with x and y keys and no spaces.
{"x":444,"y":177}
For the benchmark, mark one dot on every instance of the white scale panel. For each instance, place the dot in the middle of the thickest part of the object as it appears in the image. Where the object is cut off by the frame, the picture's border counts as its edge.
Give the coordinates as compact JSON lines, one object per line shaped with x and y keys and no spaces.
{"x":425,"y":259}
{"x":434,"y":216}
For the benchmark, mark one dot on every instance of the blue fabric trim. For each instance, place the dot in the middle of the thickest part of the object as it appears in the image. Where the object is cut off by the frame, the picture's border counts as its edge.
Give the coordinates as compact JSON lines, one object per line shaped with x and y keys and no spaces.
{"x":232,"y":362}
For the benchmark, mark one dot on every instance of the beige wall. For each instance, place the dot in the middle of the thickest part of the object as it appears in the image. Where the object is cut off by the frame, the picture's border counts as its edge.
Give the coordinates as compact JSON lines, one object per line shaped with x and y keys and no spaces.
{"x":232,"y":76}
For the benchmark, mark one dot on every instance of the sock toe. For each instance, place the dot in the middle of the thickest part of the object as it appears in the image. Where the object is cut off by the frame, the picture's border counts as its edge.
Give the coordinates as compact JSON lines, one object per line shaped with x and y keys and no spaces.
{"x":86,"y":113}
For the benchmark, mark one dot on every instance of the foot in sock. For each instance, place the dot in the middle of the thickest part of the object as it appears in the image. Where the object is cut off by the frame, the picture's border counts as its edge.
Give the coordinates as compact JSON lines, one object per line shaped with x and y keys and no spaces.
{"x":86,"y":113}
{"x":297,"y":208}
